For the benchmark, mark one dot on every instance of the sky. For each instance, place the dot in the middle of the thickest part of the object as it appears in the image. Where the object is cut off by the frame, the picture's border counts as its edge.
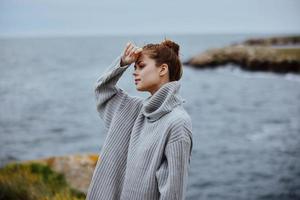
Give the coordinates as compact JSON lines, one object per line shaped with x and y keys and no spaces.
{"x":138,"y":17}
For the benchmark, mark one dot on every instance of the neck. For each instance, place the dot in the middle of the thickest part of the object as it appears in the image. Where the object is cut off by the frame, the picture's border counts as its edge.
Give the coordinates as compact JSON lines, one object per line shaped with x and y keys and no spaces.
{"x":156,"y":87}
{"x":162,"y":101}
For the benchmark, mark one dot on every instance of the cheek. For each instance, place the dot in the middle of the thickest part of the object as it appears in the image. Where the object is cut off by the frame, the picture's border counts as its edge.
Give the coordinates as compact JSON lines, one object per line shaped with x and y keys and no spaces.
{"x":149,"y":75}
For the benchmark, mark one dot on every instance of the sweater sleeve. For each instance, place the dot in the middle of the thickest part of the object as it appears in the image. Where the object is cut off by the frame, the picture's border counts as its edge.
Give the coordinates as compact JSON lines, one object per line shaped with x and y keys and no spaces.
{"x":172,"y":175}
{"x":109,"y":97}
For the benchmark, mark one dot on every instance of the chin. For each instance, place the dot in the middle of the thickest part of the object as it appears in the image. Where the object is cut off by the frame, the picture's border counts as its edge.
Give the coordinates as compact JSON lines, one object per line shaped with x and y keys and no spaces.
{"x":139,"y":88}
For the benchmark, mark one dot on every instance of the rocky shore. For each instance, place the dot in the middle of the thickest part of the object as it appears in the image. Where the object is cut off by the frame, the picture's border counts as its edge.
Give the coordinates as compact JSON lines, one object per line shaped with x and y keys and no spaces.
{"x":76,"y":170}
{"x":276,"y":54}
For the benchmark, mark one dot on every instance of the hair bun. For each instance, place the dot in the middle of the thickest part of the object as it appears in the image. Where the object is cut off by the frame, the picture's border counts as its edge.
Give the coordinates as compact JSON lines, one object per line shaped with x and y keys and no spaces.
{"x":172,"y":45}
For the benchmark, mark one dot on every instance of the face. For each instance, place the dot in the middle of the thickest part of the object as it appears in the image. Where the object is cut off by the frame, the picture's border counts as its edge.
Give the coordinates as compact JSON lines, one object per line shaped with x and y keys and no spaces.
{"x":146,"y":74}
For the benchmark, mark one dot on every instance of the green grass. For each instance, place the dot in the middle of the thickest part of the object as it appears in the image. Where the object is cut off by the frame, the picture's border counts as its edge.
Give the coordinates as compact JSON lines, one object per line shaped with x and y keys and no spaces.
{"x":35,"y":181}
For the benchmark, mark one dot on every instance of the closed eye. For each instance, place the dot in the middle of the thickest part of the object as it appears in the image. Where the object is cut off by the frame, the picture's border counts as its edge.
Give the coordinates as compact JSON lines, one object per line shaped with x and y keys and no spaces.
{"x":141,"y":66}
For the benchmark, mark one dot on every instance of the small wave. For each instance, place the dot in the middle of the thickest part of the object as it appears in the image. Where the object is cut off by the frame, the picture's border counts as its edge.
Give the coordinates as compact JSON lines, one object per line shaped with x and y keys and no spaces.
{"x":267,"y":131}
{"x":234,"y":70}
{"x":292,"y":77}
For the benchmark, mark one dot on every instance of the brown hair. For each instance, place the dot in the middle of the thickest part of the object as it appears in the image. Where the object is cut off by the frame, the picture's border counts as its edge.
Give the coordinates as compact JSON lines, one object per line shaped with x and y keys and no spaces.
{"x":166,"y":52}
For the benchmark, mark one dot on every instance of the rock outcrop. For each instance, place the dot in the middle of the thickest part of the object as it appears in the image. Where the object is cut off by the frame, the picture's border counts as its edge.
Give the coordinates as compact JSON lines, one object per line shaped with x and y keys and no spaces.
{"x":273,"y":41}
{"x":254,"y":55}
{"x":77,"y":169}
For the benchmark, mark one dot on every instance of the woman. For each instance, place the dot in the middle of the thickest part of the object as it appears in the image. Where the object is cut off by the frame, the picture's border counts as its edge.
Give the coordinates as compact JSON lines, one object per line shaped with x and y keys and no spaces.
{"x":146,"y":153}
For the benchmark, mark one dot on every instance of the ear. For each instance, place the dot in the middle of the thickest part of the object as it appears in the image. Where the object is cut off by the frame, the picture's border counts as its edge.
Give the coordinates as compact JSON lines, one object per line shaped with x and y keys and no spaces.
{"x":164,"y":69}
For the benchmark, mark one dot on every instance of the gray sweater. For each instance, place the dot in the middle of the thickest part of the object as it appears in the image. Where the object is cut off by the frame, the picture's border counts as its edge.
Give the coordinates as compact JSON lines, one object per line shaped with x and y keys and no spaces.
{"x":147,"y":150}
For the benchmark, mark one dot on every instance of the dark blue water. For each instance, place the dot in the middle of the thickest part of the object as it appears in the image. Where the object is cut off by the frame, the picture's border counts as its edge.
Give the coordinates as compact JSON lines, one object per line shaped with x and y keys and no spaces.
{"x":246,"y":125}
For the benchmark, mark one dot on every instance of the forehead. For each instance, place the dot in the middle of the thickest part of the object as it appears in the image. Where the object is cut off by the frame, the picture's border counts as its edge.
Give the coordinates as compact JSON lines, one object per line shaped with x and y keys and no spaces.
{"x":143,"y":58}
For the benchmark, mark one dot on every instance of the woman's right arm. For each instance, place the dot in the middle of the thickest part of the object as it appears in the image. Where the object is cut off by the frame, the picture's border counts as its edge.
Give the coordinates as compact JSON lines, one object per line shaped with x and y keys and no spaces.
{"x":109,"y":97}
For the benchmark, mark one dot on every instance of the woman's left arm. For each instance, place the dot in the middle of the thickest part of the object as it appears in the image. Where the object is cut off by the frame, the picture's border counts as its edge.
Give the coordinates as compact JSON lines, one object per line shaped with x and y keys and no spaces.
{"x":172,"y":175}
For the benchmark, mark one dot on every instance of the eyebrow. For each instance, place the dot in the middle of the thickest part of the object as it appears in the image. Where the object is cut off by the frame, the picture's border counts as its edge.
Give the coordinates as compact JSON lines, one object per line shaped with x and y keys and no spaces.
{"x":137,"y":63}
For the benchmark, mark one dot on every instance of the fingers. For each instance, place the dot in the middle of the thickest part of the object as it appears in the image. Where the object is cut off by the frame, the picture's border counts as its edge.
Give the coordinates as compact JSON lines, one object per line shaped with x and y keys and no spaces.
{"x":131,"y":49}
{"x":129,"y":46}
{"x":126,"y":49}
{"x":138,"y":50}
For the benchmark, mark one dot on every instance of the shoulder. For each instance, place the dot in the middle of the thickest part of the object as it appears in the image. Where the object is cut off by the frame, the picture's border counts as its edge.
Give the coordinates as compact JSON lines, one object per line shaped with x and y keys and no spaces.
{"x":180,"y":124}
{"x":179,"y":116}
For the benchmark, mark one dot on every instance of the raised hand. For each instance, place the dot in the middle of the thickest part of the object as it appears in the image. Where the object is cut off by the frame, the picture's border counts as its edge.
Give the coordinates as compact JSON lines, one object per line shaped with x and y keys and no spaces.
{"x":130,"y":54}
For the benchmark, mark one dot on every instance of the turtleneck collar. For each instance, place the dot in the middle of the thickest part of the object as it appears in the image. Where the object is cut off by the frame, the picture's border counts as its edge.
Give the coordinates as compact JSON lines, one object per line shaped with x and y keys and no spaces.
{"x":162,"y":101}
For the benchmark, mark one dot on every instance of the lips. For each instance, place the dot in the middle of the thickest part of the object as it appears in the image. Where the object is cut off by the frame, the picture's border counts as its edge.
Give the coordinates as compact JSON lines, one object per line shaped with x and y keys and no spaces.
{"x":137,"y":80}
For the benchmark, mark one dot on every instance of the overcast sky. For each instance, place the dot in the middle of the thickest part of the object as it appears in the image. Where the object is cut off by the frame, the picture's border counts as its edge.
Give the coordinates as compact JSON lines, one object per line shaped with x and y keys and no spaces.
{"x":113,"y":17}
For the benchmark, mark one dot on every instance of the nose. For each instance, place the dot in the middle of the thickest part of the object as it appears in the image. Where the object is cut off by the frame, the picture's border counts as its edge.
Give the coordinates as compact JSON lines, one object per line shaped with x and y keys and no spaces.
{"x":134,"y":73}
